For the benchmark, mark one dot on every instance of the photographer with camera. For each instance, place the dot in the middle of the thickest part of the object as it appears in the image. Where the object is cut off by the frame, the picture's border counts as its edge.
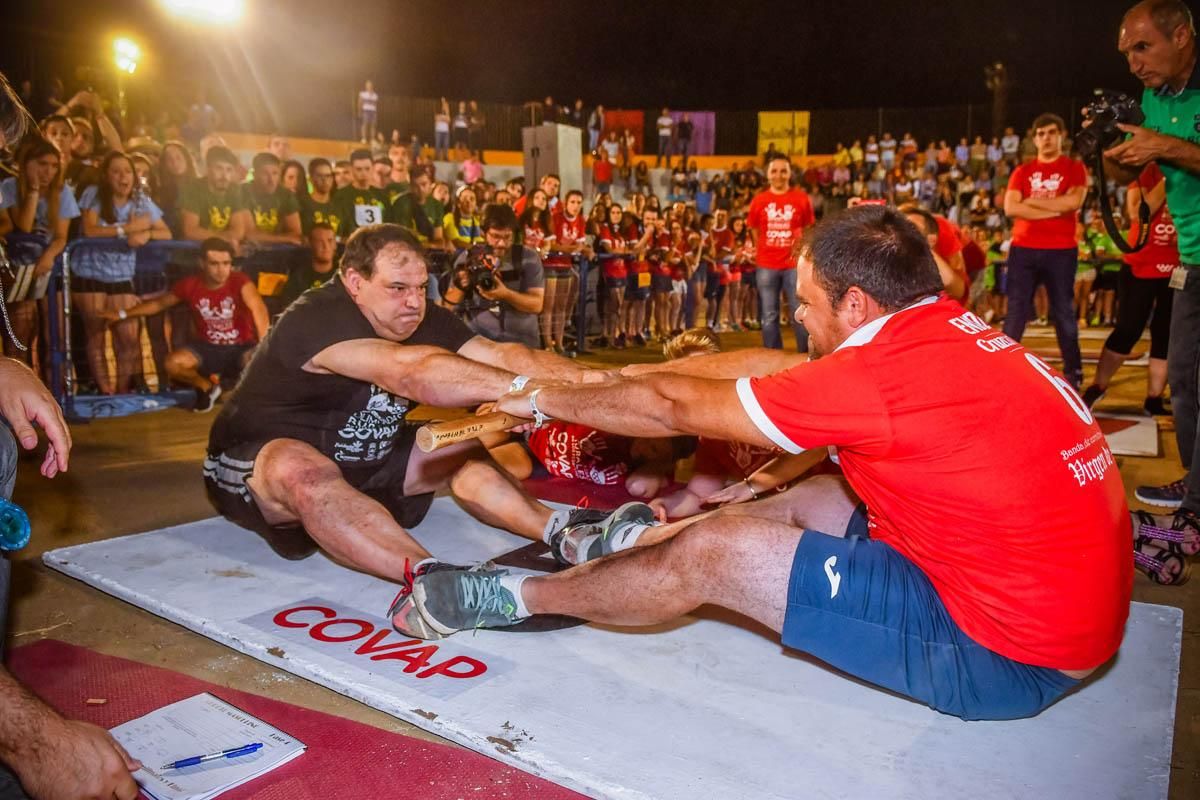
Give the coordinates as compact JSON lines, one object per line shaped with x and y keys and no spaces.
{"x":497,"y":287}
{"x":1158,"y":39}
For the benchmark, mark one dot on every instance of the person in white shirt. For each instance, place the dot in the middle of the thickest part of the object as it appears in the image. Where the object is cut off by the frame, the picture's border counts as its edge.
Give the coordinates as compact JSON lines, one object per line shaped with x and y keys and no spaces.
{"x":666,"y":127}
{"x":368,"y":102}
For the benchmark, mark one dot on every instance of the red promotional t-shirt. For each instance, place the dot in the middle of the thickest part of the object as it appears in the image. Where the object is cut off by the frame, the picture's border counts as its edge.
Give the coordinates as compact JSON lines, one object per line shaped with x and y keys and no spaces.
{"x":1160,"y":256}
{"x":602,"y":171}
{"x":614,"y":265}
{"x":1044,"y":180}
{"x":735,"y":460}
{"x":779,"y":220}
{"x":219,"y":315}
{"x":566,"y":232}
{"x":535,"y":237}
{"x":568,"y":450}
{"x":987,"y":512}
{"x":722,"y":241}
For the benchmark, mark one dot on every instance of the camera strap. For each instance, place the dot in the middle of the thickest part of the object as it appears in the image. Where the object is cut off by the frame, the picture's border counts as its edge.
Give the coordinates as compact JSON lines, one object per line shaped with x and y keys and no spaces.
{"x":1106,"y":213}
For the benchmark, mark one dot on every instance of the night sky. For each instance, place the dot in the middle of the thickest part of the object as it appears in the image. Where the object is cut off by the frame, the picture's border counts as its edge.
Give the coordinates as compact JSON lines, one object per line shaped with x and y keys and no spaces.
{"x":716,"y":55}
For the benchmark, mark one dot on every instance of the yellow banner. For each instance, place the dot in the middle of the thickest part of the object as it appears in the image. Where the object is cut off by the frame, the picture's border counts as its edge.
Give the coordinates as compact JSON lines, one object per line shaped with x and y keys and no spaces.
{"x":787,"y":131}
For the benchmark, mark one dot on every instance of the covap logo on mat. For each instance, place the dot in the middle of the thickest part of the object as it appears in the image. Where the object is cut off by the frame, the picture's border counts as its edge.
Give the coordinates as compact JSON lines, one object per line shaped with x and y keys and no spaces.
{"x":368,"y":643}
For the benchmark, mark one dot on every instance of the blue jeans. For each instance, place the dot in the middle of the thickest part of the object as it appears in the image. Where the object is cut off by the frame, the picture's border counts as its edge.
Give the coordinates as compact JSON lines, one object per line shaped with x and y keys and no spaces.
{"x":770,"y":283}
{"x":1027,"y":267}
{"x":593,"y":139}
{"x":441,"y":143}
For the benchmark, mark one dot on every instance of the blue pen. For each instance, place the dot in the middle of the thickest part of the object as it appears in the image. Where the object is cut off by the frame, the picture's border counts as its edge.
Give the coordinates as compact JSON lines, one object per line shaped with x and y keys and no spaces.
{"x":232,"y":752}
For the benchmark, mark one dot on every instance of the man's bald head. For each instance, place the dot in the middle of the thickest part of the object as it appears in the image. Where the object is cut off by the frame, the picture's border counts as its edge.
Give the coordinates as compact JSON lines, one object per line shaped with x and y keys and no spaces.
{"x":1167,"y":15}
{"x":1158,"y":40}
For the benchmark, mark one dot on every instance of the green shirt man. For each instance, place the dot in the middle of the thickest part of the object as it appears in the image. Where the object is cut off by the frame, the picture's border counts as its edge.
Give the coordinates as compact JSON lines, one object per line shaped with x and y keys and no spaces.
{"x":1178,"y":115}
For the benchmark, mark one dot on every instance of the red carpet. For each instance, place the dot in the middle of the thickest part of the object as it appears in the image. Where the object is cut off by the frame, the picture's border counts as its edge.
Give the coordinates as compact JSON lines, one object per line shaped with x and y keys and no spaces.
{"x":344,"y":759}
{"x":1109,"y":425}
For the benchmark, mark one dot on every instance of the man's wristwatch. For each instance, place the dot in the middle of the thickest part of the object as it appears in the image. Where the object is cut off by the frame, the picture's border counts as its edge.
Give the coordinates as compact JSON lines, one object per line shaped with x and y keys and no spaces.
{"x":518,"y":383}
{"x":539,"y":419}
{"x":120,"y":231}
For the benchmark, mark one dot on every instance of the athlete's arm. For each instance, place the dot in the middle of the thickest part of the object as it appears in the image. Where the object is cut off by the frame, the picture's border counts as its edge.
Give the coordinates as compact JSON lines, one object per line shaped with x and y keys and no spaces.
{"x":258,"y":309}
{"x":654,"y":405}
{"x":753,"y":363}
{"x":521,"y":360}
{"x":426,"y":374}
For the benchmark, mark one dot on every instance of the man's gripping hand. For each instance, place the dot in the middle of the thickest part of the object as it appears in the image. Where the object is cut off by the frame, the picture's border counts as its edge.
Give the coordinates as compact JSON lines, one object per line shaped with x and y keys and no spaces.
{"x":25,"y":402}
{"x":73,"y":760}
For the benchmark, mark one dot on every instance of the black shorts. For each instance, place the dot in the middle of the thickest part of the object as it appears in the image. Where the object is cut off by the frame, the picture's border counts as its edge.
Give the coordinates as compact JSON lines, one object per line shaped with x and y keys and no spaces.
{"x":219,"y":359}
{"x":1106,"y":280}
{"x":226,"y":473}
{"x":88,"y":285}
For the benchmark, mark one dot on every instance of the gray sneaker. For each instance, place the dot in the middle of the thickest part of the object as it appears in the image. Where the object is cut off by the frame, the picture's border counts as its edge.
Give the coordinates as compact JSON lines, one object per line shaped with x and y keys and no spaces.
{"x":1167,"y":496}
{"x":403,"y":610}
{"x":575,"y":544}
{"x":458,"y":600}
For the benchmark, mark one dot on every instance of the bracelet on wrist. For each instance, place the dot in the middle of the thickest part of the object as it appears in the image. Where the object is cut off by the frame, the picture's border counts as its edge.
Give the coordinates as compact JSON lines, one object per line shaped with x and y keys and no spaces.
{"x":518,"y":383}
{"x":750,"y":486}
{"x":539,"y":419}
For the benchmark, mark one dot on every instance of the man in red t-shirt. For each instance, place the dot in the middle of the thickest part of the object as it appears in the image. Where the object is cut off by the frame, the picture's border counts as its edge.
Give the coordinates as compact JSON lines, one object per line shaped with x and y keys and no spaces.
{"x":776,"y":219}
{"x":228,"y":315}
{"x":1043,"y":199}
{"x":902,"y":572}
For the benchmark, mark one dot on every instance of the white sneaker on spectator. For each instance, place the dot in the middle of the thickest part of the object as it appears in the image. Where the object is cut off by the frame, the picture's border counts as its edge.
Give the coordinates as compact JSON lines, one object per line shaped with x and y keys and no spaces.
{"x":206,"y":400}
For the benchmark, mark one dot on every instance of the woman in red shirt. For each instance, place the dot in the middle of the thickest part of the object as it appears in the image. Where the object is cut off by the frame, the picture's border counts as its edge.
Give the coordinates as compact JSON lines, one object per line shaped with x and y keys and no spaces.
{"x":570,"y":234}
{"x":536,"y":224}
{"x":747,"y":294}
{"x":610,"y":242}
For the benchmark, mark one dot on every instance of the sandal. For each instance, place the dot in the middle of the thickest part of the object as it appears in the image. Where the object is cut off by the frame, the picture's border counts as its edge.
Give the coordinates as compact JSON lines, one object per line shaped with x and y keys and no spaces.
{"x":1165,"y":569}
{"x":1181,"y":539}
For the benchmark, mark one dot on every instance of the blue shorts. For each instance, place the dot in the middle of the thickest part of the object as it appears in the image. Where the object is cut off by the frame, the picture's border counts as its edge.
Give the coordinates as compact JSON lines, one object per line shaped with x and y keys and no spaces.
{"x":860,"y":606}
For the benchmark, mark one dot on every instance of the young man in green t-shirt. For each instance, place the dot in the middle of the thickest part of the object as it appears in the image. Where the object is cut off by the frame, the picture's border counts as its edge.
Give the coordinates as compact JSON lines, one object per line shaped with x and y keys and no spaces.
{"x":361,"y":202}
{"x":316,"y":208}
{"x":273,"y":213}
{"x":210,"y":206}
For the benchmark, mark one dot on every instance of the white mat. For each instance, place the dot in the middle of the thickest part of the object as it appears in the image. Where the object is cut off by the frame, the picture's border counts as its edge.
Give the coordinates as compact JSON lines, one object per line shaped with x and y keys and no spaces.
{"x":1130,"y":434}
{"x":698,"y":708}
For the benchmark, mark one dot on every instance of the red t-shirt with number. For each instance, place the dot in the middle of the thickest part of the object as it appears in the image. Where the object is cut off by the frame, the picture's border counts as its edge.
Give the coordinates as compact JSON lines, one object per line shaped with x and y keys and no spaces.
{"x":779,"y":220}
{"x":569,"y":450}
{"x":1020,"y":524}
{"x":219,"y":315}
{"x":1160,"y":256}
{"x":1044,"y":180}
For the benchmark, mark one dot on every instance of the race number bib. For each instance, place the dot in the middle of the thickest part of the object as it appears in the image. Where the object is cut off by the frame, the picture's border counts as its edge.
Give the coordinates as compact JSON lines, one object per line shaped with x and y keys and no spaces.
{"x":1178,"y":278}
{"x":367,"y":215}
{"x":643,"y":280}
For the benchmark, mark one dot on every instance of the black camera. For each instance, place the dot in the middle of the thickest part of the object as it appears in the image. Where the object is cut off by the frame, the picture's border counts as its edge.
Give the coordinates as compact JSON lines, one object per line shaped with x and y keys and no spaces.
{"x":478,"y":271}
{"x":1108,"y":110}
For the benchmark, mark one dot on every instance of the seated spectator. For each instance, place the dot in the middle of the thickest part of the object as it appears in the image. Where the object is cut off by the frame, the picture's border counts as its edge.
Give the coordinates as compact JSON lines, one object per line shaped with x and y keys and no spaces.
{"x":362,"y":202}
{"x":38,"y":202}
{"x":381,"y":171}
{"x":461,"y":225}
{"x":274,"y":212}
{"x":322,"y":241}
{"x":341,"y":174}
{"x":508,"y":312}
{"x":229,"y":317}
{"x":102,"y":279}
{"x":294,"y":179}
{"x":316,"y":207}
{"x":211,"y":205}
{"x":420,"y":212}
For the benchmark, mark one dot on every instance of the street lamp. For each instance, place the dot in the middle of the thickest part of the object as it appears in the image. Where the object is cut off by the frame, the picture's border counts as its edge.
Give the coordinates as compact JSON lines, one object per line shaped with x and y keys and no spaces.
{"x":126,"y":54}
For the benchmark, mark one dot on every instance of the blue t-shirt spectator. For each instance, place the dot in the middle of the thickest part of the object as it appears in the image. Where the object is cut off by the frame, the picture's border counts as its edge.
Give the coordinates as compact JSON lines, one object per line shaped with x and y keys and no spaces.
{"x":67,"y":207}
{"x":111,"y":264}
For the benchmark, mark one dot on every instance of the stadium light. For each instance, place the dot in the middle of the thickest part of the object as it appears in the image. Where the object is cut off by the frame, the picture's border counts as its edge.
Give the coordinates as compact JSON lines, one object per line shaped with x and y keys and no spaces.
{"x":126,"y":53}
{"x":215,"y":12}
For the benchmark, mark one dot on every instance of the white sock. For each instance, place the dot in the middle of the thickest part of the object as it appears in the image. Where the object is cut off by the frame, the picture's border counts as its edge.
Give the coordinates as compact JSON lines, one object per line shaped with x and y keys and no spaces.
{"x":416,"y":568}
{"x":513,"y":584}
{"x":628,"y":536}
{"x":558,"y":518}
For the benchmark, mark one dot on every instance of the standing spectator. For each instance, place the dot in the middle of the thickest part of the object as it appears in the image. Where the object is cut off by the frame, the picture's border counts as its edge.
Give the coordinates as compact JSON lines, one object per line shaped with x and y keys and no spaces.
{"x":550,"y":111}
{"x":476,"y":122}
{"x":102,"y":279}
{"x":995,"y":152}
{"x":611,"y":147}
{"x":611,"y":246}
{"x":561,"y":277}
{"x":1010,"y":145}
{"x":871,"y":157}
{"x":368,"y":102}
{"x":602,"y":172}
{"x":462,"y":127}
{"x":549,"y":184}
{"x":229,"y":319}
{"x":683,"y":137}
{"x":595,"y":126}
{"x":535,"y":225}
{"x":441,"y":130}
{"x":777,"y":219}
{"x":202,"y":119}
{"x":578,"y":116}
{"x":977,"y":159}
{"x":211,"y":205}
{"x":360,"y":203}
{"x":962,"y":153}
{"x":1042,"y":200}
{"x":856,"y":156}
{"x":908,"y":148}
{"x":887,"y":151}
{"x":316,"y":207}
{"x":666,"y":127}
{"x":274,"y":212}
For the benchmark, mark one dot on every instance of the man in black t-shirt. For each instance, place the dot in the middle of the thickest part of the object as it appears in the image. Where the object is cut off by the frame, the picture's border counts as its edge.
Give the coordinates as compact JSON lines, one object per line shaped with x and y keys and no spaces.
{"x":323,"y":243}
{"x":273,"y":212}
{"x":316,"y":439}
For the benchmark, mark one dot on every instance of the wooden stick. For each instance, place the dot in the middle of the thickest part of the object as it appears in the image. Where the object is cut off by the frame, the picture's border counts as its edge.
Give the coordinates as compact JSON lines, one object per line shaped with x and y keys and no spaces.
{"x":437,"y":435}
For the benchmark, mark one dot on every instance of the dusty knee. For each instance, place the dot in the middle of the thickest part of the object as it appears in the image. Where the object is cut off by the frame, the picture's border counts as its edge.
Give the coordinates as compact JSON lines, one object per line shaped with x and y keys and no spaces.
{"x":290,"y":471}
